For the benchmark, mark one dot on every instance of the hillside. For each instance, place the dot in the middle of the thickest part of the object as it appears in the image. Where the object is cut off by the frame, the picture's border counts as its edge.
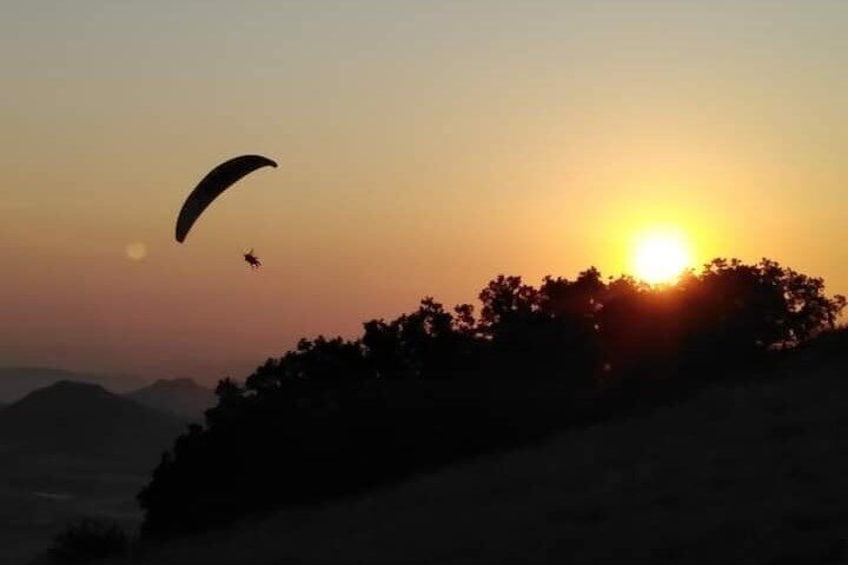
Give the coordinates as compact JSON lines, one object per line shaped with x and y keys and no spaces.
{"x":181,"y":397}
{"x":755,"y":472}
{"x":17,"y":382}
{"x":70,"y":449}
{"x":85,"y":419}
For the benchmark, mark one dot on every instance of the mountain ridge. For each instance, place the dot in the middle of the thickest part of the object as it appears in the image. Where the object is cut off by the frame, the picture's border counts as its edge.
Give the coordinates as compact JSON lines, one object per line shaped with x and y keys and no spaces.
{"x":18,"y":381}
{"x":71,"y":449}
{"x":85,"y":418}
{"x":182,"y":397}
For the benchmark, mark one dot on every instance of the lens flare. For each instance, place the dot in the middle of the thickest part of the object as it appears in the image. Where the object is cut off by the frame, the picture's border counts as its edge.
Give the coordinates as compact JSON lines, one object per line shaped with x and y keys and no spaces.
{"x":136,"y":251}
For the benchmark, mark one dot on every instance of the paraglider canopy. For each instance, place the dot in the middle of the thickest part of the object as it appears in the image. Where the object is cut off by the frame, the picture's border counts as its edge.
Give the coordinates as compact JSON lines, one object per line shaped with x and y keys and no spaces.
{"x":212,"y":185}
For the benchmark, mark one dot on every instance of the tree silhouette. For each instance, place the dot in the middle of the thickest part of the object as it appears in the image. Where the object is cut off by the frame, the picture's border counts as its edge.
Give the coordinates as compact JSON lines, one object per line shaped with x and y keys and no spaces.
{"x":334,"y":416}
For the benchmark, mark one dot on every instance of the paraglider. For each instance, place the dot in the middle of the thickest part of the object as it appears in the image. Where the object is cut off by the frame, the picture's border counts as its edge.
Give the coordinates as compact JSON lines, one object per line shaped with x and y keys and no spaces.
{"x":212,"y":185}
{"x":252,"y":260}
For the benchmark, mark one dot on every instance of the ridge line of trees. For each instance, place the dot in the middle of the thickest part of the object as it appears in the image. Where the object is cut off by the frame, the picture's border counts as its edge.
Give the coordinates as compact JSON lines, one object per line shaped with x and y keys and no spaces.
{"x":334,"y":416}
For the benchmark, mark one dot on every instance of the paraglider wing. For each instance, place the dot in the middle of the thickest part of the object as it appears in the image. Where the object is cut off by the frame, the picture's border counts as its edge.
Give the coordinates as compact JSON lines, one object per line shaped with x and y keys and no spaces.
{"x":214,"y":183}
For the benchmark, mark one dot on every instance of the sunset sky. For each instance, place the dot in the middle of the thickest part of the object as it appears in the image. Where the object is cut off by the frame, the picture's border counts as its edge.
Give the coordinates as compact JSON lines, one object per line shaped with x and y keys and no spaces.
{"x":424,"y":148}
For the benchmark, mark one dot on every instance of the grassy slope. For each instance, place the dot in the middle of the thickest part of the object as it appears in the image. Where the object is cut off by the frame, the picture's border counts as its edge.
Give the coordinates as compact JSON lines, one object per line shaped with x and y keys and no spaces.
{"x":748,"y":473}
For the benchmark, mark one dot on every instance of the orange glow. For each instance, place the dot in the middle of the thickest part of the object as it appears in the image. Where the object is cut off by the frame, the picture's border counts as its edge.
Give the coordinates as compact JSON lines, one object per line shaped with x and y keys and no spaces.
{"x":614,"y":121}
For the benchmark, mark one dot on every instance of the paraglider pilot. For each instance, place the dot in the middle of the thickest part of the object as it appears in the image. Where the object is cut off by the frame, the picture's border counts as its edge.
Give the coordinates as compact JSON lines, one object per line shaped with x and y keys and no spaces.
{"x":252,"y":260}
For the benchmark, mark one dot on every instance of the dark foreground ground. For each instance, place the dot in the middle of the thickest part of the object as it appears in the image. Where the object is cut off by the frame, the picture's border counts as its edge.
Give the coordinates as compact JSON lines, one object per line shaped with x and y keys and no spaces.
{"x":38,"y":496}
{"x":745,"y":473}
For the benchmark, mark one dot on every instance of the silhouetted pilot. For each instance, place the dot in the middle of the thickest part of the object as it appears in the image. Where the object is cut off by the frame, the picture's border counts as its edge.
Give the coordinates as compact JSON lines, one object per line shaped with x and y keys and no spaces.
{"x":252,"y":260}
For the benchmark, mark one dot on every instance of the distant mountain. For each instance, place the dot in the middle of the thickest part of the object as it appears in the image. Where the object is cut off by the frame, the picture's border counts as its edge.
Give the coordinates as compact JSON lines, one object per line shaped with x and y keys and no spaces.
{"x":74,"y":449}
{"x":86,"y":420}
{"x":16,"y":382}
{"x":182,"y":397}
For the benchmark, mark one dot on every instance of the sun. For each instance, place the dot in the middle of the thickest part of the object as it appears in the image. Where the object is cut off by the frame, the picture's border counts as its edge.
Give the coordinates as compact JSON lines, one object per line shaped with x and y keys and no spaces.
{"x":661,"y":256}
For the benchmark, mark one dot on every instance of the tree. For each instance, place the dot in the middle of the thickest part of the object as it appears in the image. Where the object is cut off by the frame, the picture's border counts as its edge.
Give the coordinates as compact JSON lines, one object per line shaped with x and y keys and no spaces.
{"x":333,"y":416}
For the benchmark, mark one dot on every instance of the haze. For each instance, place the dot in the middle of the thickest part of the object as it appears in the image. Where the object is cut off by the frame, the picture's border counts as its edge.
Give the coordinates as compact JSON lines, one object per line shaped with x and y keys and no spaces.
{"x":424,"y":147}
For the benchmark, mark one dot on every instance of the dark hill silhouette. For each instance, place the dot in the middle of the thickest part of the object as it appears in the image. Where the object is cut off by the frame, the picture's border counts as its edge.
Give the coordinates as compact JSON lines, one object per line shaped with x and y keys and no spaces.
{"x":16,"y":382}
{"x":73,"y":449}
{"x":748,"y":470}
{"x":182,"y":397}
{"x":86,"y":420}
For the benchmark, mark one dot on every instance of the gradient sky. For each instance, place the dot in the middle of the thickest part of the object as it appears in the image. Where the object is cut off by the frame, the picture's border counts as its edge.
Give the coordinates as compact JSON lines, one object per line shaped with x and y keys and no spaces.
{"x":424,"y":147}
